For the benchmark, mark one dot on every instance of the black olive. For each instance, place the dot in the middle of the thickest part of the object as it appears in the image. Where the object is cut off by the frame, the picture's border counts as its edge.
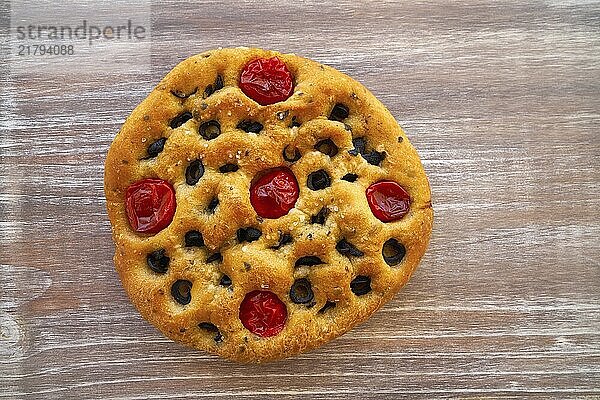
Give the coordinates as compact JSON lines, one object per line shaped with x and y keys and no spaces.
{"x":350,"y":177}
{"x":328,"y":305}
{"x":339,"y":112}
{"x":194,"y":172}
{"x":225,"y":281}
{"x":374,"y":157}
{"x":250,"y":126}
{"x":252,"y":234}
{"x":210,"y":130}
{"x":212,"y":205}
{"x":194,"y":239}
{"x":284,"y":239}
{"x":211,"y":328}
{"x":218,"y":85}
{"x":208,"y":91}
{"x":301,"y":292}
{"x":308,"y":261}
{"x":214,"y":257}
{"x":348,"y":249}
{"x":360,"y":146}
{"x":155,"y":148}
{"x":158,"y":261}
{"x":320,"y":217}
{"x":393,"y":252}
{"x":326,"y":146}
{"x":248,"y":234}
{"x":318,"y":180}
{"x":295,"y":123}
{"x":228,"y":168}
{"x":181,"y":119}
{"x":181,"y":94}
{"x":281,"y":115}
{"x":182,"y":291}
{"x":291,"y":158}
{"x":360,"y":285}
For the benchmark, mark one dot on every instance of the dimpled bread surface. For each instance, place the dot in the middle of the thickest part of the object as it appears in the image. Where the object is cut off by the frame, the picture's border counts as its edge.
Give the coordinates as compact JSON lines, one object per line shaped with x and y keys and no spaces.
{"x":293,"y":126}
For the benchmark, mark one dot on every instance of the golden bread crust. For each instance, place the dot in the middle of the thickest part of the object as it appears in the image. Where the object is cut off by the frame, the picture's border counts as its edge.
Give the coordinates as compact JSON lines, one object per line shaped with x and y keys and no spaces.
{"x":256,"y":266}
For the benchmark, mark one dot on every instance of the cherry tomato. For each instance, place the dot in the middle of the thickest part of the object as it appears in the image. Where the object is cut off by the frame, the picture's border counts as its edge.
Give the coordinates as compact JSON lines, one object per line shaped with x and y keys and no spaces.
{"x":262,"y":313}
{"x":388,"y":200}
{"x":266,"y":80}
{"x":275,"y":193}
{"x":150,"y":205}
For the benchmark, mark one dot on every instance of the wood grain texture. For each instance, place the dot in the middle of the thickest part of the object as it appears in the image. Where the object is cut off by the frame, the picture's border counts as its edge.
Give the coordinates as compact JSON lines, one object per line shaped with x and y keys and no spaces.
{"x":502,"y":101}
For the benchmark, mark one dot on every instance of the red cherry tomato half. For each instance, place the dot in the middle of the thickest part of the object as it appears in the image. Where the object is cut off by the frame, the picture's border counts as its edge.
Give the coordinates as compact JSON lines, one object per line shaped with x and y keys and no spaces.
{"x":388,"y":200}
{"x":275,"y":193}
{"x":262,"y":313}
{"x":266,"y":80}
{"x":150,"y":205}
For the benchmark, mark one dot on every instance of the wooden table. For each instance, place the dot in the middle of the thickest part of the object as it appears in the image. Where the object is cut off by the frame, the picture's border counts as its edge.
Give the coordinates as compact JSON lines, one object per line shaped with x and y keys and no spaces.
{"x":502,"y":101}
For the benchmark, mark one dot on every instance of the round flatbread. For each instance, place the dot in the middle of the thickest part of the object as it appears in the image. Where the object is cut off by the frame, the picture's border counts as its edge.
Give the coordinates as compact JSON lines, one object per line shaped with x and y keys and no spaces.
{"x":263,"y":204}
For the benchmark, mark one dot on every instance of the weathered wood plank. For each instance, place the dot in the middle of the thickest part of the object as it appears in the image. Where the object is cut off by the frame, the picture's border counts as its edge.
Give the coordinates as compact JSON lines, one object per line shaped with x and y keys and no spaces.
{"x":502,"y":100}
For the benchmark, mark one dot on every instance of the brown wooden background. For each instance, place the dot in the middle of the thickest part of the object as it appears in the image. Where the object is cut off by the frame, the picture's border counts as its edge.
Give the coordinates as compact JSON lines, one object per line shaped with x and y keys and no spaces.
{"x":502,"y":101}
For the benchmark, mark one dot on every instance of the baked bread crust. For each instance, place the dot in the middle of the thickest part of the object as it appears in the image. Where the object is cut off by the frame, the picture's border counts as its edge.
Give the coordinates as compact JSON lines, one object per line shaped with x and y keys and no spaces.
{"x":193,"y":86}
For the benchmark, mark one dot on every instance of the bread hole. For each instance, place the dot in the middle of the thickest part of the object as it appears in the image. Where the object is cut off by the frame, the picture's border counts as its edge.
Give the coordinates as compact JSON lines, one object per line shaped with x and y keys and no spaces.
{"x":181,"y":291}
{"x":320,"y":217}
{"x":350,"y":177}
{"x":284,"y":238}
{"x":291,"y":154}
{"x":339,"y":112}
{"x":194,"y":172}
{"x":250,"y":126}
{"x":361,"y":285}
{"x":156,"y":147}
{"x":217,"y":85}
{"x":318,"y":180}
{"x":301,"y":292}
{"x":327,"y":306}
{"x":226,"y":168}
{"x":193,"y":239}
{"x":158,"y":261}
{"x":308,"y":261}
{"x":210,"y":130}
{"x":180,"y":119}
{"x":326,"y":146}
{"x":348,"y":249}
{"x":212,"y":330}
{"x":248,"y":234}
{"x":393,"y":252}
